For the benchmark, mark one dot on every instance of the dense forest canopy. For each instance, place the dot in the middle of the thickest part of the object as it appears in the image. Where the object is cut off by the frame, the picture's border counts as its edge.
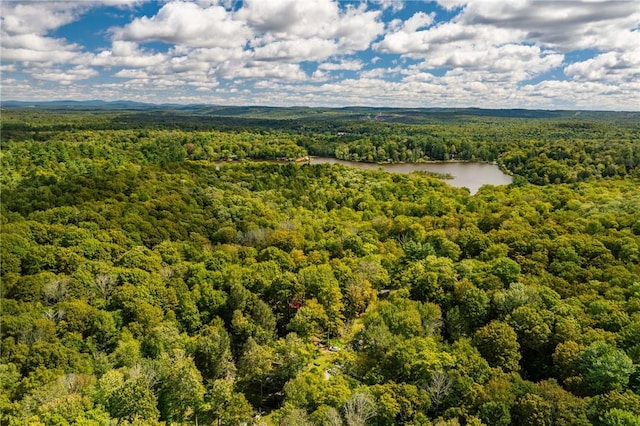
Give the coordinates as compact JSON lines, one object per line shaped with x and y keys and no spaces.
{"x":145,"y":283}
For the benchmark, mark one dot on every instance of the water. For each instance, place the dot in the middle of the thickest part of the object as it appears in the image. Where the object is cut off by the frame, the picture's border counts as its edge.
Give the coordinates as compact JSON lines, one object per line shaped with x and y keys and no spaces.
{"x":471,"y":175}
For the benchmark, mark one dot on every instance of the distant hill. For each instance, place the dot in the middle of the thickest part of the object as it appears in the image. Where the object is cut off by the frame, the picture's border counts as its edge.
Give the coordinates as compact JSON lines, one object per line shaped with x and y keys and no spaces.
{"x":400,"y":115}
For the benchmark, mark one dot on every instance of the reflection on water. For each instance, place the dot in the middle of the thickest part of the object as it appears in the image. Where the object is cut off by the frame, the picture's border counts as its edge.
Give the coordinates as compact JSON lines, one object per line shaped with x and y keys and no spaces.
{"x":470,"y":175}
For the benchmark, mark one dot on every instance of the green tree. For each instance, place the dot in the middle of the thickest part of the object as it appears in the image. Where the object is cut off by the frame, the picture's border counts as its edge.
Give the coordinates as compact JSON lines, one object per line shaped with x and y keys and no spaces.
{"x":320,"y":282}
{"x":212,"y":352}
{"x":128,"y":397}
{"x":430,"y":279}
{"x":180,"y":393}
{"x":498,"y":344}
{"x":255,"y":368}
{"x":226,"y":407}
{"x":531,"y":327}
{"x":506,"y":269}
{"x":495,"y":413}
{"x":310,"y":319}
{"x":605,"y":368}
{"x":618,"y":417}
{"x":532,"y":409}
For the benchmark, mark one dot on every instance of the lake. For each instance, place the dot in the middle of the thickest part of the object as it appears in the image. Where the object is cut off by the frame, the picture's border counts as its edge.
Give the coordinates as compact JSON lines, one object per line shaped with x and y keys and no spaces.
{"x":471,"y":175}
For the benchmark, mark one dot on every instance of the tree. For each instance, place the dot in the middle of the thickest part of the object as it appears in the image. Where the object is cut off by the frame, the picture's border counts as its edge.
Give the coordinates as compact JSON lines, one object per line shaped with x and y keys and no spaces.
{"x":310,"y":390}
{"x":320,"y":282}
{"x":498,"y":344}
{"x":429,"y":279}
{"x":358,"y":295}
{"x":225,"y":406}
{"x":472,"y":302}
{"x":180,"y":392}
{"x":128,"y":399}
{"x":212,"y":352}
{"x":295,"y":417}
{"x":292,"y":355}
{"x":618,"y":417}
{"x":506,"y":269}
{"x":438,"y":387}
{"x":359,"y":409}
{"x":415,"y":360}
{"x":310,"y":319}
{"x":532,"y":409}
{"x":495,"y":413}
{"x":127,"y":352}
{"x":605,"y":368}
{"x":399,"y":403}
{"x":255,"y":369}
{"x":532,"y":329}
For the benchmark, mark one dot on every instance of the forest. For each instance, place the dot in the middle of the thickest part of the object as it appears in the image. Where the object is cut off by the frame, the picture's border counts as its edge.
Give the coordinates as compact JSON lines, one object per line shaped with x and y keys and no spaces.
{"x":147,"y":280}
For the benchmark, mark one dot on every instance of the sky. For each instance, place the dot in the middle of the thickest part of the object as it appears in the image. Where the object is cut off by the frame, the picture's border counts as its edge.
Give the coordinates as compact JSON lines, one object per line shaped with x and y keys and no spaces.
{"x":380,"y":53}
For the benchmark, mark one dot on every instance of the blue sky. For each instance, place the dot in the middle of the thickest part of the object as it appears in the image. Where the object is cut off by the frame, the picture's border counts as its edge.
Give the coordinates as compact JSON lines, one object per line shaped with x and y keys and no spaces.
{"x":444,"y":53}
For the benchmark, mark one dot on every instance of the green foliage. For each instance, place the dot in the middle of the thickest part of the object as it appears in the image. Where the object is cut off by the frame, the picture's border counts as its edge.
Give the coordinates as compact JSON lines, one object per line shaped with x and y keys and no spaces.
{"x":180,"y":392}
{"x":225,"y":406}
{"x":144,"y":281}
{"x":605,"y":368}
{"x":128,"y":397}
{"x":495,"y":413}
{"x":617,"y":417}
{"x":498,"y":344}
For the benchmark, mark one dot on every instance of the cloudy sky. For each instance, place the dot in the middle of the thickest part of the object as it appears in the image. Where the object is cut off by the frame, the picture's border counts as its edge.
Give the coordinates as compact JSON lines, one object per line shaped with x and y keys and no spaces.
{"x":444,"y":53}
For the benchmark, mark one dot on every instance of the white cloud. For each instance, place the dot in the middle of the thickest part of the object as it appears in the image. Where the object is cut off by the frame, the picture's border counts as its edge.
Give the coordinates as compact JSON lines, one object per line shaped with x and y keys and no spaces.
{"x":281,"y":34}
{"x":393,"y":5}
{"x":216,"y":55}
{"x":124,"y":54}
{"x":262,"y":70}
{"x":417,"y":21}
{"x":607,"y":67}
{"x":289,"y":18}
{"x":357,"y":29}
{"x":38,"y":17}
{"x":319,"y":75}
{"x":293,"y":19}
{"x":473,"y":48}
{"x":445,"y":37}
{"x":452,"y":4}
{"x":312,"y":49}
{"x":376,"y":73}
{"x":66,"y":76}
{"x":129,"y":73}
{"x":119,"y":3}
{"x":217,"y":50}
{"x":59,"y":53}
{"x":515,"y":61}
{"x":188,"y":24}
{"x":563,"y":25}
{"x":584,"y":95}
{"x":8,"y":68}
{"x":322,"y":26}
{"x":525,"y":38}
{"x":24,"y":26}
{"x":348,"y":65}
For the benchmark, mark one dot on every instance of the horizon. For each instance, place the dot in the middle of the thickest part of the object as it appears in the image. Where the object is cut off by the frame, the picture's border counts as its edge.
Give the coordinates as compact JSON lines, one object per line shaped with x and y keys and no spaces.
{"x":532,"y":55}
{"x":168,"y":104}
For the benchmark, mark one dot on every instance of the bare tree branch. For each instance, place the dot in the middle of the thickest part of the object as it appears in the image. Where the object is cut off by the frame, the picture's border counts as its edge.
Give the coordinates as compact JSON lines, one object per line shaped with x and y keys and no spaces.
{"x":359,"y":409}
{"x":439,"y":387}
